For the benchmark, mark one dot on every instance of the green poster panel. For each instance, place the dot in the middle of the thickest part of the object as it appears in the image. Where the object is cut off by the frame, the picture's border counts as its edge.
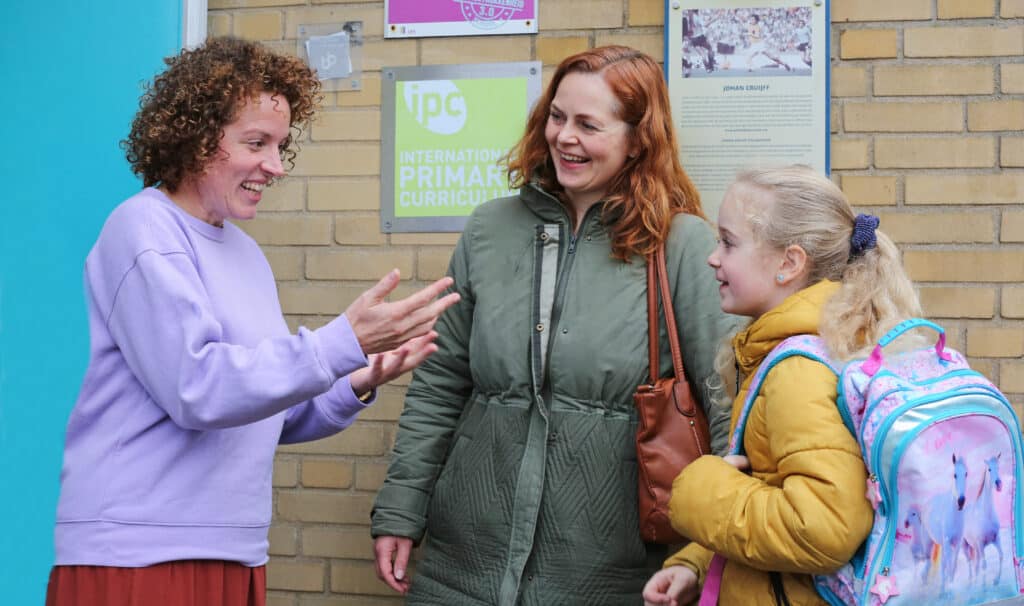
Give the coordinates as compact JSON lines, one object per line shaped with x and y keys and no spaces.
{"x":445,"y":130}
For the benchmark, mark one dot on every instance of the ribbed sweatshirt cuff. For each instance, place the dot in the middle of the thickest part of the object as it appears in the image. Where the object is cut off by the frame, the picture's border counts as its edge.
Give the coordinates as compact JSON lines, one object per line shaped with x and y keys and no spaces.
{"x":338,"y":348}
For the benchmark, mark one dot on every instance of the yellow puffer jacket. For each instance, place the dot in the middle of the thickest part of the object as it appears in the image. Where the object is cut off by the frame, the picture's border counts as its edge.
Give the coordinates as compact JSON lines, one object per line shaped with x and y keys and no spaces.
{"x":802,"y":510}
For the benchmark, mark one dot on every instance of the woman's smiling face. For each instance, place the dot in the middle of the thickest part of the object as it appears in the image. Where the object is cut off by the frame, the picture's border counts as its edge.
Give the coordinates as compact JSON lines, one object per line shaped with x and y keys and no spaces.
{"x":588,"y":142}
{"x":249,"y":158}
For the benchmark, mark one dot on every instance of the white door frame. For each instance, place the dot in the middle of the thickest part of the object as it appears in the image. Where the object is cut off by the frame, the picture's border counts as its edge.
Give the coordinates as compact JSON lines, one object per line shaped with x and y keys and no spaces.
{"x":193,"y":23}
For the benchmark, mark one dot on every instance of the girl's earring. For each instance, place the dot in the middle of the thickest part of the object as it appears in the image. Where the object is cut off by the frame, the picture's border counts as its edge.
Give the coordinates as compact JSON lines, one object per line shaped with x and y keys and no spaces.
{"x":779,"y":278}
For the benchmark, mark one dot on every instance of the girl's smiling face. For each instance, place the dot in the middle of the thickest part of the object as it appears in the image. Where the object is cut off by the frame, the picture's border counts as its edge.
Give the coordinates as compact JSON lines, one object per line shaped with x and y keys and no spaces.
{"x":745,"y":268}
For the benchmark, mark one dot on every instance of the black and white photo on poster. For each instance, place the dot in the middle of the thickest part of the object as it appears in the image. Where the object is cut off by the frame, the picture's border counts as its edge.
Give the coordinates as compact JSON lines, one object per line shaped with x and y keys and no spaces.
{"x":761,"y":41}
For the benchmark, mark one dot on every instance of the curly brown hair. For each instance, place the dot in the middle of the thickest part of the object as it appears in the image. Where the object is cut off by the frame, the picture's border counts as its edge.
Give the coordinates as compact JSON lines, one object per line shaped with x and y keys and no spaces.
{"x":652,"y":187}
{"x":183,"y":112}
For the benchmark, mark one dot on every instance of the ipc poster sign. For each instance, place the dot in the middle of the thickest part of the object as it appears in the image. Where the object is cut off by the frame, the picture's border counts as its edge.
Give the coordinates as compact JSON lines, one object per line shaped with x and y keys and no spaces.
{"x":445,"y":130}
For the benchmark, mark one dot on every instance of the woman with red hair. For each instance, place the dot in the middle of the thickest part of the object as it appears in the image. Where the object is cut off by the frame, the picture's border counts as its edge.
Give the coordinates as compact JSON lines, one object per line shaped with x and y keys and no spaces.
{"x":515,"y":451}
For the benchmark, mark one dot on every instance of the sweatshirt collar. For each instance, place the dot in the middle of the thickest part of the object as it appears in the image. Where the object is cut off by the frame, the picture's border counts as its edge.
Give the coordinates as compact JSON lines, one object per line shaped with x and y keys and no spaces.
{"x":210,"y":231}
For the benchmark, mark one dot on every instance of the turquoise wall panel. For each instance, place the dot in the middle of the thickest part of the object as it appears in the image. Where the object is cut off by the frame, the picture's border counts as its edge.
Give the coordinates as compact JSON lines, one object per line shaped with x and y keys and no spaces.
{"x":72,"y":73}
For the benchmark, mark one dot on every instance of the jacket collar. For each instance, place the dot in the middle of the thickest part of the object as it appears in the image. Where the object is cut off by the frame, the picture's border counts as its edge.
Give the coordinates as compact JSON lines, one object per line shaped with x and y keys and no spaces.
{"x":798,"y":314}
{"x":552,"y":210}
{"x":546,"y":206}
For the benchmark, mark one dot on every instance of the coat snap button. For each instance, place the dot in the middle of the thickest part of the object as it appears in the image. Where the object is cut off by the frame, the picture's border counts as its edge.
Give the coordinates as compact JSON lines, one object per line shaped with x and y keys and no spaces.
{"x":540,"y":328}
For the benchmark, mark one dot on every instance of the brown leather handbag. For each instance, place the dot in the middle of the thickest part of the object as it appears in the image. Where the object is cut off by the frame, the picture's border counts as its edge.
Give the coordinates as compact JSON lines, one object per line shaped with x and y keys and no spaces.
{"x":673,"y":429}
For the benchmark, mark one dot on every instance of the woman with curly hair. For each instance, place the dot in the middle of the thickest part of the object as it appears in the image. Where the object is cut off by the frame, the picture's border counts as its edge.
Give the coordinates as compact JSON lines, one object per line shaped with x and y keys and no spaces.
{"x":193,"y":376}
{"x":516,"y":451}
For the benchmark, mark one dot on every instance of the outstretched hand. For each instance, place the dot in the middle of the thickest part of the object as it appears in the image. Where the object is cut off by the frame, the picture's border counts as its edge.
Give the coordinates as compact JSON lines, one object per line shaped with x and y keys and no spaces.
{"x":381,"y":325}
{"x":389,"y":365}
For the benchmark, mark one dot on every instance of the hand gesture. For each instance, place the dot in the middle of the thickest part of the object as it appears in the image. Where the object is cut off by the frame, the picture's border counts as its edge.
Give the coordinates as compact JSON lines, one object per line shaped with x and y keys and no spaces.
{"x":671,"y":586}
{"x":380,"y":325}
{"x":387,"y":366}
{"x":392,"y":554}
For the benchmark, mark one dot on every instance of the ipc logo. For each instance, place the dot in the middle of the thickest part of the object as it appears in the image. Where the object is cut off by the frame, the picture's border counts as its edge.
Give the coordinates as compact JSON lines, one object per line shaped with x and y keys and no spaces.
{"x":436,"y":104}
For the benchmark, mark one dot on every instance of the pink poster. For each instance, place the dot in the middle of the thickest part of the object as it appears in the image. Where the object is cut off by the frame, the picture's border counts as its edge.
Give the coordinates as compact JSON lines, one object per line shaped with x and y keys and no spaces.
{"x":424,"y":18}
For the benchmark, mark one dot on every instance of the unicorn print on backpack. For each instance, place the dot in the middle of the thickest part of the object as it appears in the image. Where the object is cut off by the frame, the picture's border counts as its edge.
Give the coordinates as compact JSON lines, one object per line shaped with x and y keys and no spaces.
{"x":984,"y":525}
{"x":923,"y":549}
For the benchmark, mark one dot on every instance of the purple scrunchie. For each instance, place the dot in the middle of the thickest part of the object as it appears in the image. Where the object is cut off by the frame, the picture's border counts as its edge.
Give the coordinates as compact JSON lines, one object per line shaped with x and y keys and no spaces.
{"x":863,"y":237}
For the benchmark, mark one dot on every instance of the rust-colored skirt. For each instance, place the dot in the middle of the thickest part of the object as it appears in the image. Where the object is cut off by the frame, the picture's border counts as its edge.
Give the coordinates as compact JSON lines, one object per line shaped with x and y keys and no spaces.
{"x":181,"y":583}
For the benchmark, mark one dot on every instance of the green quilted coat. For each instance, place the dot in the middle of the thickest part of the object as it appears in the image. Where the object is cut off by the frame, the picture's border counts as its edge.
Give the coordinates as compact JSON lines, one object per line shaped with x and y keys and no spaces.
{"x":515,"y":451}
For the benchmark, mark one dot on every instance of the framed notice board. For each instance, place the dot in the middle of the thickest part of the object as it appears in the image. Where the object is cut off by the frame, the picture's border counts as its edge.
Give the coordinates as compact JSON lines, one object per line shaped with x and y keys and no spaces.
{"x":749,"y":86}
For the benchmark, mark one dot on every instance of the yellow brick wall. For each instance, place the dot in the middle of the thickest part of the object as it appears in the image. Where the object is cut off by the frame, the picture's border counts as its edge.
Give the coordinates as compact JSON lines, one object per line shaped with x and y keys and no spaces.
{"x":927,"y":120}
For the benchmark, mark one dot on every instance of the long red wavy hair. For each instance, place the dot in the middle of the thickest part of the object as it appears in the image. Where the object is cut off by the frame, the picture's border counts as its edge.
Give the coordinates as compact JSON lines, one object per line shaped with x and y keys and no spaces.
{"x":650,"y":188}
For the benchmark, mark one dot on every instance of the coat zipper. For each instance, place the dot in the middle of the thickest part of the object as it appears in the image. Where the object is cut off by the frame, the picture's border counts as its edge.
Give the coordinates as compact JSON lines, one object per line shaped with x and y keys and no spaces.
{"x":562,"y":283}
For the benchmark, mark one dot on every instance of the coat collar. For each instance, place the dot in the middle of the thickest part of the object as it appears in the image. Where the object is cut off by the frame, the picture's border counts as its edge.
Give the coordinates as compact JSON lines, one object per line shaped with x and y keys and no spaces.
{"x":552,"y":210}
{"x":798,"y":314}
{"x":546,"y":206}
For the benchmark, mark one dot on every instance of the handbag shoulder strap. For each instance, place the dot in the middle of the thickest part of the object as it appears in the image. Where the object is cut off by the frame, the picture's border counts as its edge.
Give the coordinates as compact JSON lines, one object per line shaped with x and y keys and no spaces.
{"x":657,"y":280}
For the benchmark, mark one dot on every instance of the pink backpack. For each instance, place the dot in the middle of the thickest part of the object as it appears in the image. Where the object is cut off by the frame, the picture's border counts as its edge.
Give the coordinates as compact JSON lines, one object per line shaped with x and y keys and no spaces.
{"x":944,"y":455}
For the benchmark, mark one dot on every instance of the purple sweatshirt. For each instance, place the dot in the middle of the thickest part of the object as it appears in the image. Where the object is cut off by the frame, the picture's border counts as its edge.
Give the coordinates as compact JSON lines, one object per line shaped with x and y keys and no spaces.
{"x":193,"y":380}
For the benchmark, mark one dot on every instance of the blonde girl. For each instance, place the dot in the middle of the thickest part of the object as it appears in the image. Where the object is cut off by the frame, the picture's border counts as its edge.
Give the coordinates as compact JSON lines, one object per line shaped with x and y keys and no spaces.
{"x":794,"y":258}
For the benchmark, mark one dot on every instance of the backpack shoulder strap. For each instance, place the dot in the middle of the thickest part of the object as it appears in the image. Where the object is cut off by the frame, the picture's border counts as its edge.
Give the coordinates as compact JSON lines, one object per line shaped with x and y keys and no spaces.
{"x":807,"y":346}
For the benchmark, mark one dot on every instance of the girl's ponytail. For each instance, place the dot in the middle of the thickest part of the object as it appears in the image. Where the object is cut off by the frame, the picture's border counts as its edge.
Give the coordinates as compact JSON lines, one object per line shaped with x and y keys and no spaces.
{"x":876,"y":294}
